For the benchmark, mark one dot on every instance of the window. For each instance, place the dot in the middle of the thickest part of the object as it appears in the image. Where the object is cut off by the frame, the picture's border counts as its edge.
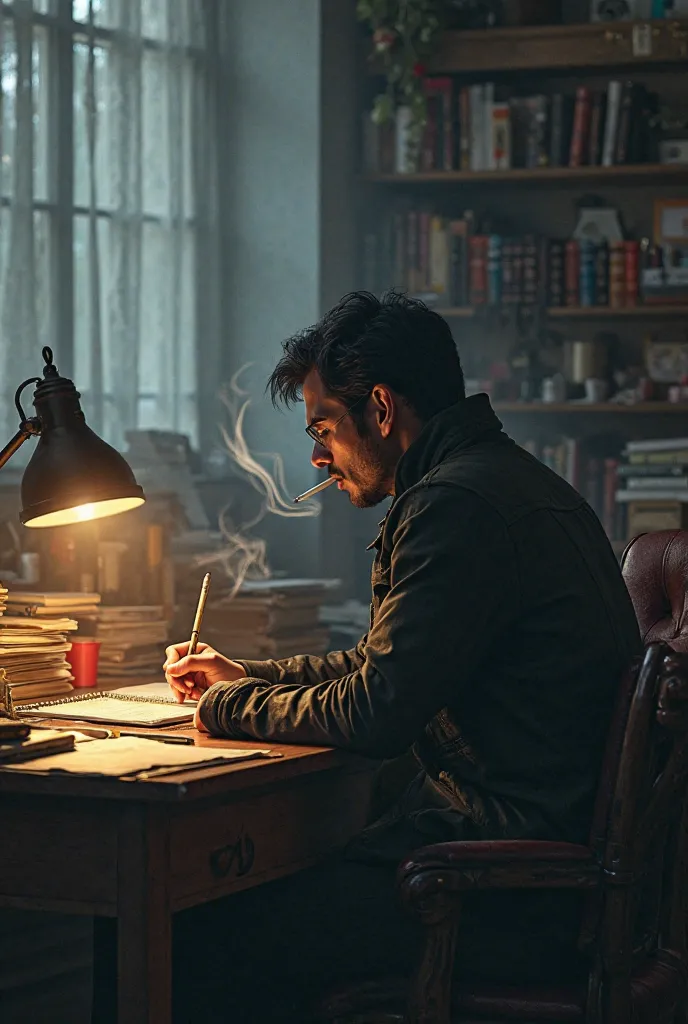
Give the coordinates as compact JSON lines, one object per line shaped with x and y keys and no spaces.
{"x":98,"y":225}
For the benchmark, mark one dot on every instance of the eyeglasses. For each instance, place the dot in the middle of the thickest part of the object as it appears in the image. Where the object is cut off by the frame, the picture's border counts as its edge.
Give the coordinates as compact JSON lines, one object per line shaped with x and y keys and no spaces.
{"x":319,"y":435}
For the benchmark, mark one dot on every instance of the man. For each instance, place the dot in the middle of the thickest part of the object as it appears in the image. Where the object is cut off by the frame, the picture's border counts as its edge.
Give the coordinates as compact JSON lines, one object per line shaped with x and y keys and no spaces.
{"x":500,"y":625}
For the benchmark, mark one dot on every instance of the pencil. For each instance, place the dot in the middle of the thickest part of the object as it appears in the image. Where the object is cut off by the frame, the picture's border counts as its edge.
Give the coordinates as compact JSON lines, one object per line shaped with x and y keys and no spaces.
{"x":205,"y":586}
{"x":315,"y":490}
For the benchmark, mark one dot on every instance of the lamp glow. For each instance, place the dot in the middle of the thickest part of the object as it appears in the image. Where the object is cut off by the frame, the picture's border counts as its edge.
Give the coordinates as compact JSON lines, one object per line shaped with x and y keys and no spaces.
{"x":85,"y":513}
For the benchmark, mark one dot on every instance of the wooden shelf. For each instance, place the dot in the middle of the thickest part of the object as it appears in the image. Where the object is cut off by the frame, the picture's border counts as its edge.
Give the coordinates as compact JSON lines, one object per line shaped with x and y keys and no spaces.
{"x":576,"y":312}
{"x":551,"y":47}
{"x":532,"y":176}
{"x":642,"y":408}
{"x":592,"y":312}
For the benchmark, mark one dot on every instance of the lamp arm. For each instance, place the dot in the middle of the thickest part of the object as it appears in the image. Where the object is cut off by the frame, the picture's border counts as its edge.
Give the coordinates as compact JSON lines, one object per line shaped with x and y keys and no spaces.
{"x":28,"y":426}
{"x":15,"y":444}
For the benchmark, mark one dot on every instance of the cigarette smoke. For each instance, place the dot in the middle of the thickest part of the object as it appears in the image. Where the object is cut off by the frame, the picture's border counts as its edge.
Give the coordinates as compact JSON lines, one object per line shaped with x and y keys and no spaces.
{"x":243,"y":556}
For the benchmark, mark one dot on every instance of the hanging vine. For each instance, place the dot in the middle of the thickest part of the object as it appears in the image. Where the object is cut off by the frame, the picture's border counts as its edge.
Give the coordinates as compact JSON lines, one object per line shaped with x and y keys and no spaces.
{"x":404,"y":33}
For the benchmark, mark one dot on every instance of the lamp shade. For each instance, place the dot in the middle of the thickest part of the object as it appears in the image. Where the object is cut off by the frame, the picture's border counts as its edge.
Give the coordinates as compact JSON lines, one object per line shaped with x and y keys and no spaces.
{"x":73,"y":476}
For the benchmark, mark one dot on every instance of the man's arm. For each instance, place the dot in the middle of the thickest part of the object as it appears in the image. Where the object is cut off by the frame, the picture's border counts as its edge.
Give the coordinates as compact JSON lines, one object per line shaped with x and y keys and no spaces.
{"x":454,"y":587}
{"x":308,"y":669}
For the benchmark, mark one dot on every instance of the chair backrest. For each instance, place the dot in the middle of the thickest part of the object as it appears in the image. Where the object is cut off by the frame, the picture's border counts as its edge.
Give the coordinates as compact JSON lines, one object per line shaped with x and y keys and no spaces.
{"x":655,"y":568}
{"x":640,"y":829}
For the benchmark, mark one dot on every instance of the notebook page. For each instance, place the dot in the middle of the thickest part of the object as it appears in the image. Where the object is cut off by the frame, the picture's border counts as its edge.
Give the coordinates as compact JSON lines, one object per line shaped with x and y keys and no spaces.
{"x":113,"y":710}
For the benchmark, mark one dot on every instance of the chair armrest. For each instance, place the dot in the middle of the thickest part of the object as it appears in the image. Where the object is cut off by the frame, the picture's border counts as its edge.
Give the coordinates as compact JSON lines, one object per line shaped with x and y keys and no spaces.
{"x":503,"y":864}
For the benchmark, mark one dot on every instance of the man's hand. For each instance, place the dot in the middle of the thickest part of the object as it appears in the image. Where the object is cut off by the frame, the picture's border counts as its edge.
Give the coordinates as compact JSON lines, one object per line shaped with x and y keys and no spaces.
{"x":192,"y":676}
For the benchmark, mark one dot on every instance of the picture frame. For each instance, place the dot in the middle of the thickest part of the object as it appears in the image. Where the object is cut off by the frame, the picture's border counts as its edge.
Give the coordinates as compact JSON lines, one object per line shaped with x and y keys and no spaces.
{"x":670,"y":225}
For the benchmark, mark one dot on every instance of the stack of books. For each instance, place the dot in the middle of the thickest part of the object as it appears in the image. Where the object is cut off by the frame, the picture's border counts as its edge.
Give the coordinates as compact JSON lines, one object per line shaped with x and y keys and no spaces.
{"x":33,"y":654}
{"x":485,"y":128}
{"x":132,"y":641}
{"x":3,"y":599}
{"x":64,"y":604}
{"x":653,"y":485}
{"x":448,"y":263}
{"x":270,"y":619}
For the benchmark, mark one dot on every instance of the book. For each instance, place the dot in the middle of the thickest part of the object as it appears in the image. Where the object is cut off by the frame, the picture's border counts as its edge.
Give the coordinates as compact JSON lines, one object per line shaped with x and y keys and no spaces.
{"x":678,"y":457}
{"x":581,"y":127}
{"x":501,"y":137}
{"x":650,"y":470}
{"x":611,"y":123}
{"x":477,"y":125}
{"x":53,"y":600}
{"x":650,"y":484}
{"x":662,"y":444}
{"x":112,"y":708}
{"x":596,"y":136}
{"x":658,"y":494}
{"x":39,"y":743}
{"x":556,"y":134}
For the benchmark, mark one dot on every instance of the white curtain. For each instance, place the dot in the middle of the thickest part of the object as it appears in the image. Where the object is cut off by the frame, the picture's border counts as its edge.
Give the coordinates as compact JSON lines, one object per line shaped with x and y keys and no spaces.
{"x":142,"y":206}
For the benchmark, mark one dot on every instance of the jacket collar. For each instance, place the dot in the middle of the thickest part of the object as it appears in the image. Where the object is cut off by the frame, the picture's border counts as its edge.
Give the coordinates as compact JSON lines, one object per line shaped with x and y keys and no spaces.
{"x":453,"y":429}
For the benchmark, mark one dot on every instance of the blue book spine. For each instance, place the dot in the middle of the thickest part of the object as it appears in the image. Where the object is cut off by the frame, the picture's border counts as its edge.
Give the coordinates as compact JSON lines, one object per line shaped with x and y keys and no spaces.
{"x":588,"y":274}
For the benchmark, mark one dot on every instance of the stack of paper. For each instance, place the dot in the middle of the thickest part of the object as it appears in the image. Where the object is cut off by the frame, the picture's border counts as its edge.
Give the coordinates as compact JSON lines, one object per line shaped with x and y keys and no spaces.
{"x":269,"y":619}
{"x":3,"y":599}
{"x":32,"y":652}
{"x":132,"y":641}
{"x":82,"y":607}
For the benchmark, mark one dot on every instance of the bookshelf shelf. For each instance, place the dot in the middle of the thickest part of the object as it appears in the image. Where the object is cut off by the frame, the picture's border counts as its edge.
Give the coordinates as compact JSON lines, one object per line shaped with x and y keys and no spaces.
{"x":549,"y":47}
{"x":619,"y":173}
{"x":576,"y":408}
{"x":592,"y":312}
{"x":578,"y":312}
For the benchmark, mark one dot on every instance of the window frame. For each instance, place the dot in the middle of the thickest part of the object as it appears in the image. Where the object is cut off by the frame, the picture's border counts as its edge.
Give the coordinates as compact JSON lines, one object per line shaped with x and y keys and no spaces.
{"x":62,"y":33}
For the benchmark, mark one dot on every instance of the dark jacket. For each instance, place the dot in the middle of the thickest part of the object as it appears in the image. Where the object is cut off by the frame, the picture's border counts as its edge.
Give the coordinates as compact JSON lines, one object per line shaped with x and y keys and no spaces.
{"x":500,"y":624}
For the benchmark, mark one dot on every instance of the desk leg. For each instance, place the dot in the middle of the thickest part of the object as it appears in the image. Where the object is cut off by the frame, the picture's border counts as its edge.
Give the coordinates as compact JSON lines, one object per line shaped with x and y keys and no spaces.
{"x":144,"y":932}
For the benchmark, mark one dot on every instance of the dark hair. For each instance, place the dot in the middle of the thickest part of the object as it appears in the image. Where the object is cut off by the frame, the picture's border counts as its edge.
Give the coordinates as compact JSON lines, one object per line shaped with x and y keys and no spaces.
{"x":364,"y":341}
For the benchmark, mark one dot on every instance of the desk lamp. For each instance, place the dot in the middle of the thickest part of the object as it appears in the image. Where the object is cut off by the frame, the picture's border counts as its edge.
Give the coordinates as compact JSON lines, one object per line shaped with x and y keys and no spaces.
{"x":73,"y":476}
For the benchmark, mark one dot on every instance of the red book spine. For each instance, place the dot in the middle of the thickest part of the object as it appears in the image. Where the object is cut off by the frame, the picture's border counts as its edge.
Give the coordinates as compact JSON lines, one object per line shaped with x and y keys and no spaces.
{"x":617,"y":275}
{"x":631,"y":263}
{"x":581,"y":127}
{"x":465,"y":130}
{"x":478,"y":270}
{"x":572,"y":273}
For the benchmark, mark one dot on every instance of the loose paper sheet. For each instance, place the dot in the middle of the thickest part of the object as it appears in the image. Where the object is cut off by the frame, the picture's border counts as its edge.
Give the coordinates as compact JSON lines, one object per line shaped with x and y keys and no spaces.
{"x":129,"y":755}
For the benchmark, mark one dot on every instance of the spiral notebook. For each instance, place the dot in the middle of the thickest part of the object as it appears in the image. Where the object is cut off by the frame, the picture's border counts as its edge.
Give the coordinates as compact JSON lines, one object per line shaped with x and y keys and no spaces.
{"x":111,"y":709}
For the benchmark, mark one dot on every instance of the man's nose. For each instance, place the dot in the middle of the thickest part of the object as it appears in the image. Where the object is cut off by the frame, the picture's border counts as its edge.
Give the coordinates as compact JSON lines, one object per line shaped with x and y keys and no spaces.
{"x":321,"y":458}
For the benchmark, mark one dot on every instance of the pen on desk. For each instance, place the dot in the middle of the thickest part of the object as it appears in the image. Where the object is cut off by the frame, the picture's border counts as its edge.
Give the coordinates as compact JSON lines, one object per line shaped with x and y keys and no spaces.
{"x":161,"y":737}
{"x":205,"y":586}
{"x":315,"y":490}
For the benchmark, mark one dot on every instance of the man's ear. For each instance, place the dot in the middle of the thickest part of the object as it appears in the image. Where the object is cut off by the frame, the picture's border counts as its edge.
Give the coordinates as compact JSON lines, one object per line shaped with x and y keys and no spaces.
{"x":384,"y":408}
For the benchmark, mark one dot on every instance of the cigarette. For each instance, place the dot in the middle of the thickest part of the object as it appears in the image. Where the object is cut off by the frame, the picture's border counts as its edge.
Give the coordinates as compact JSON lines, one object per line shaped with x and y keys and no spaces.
{"x":314,"y":490}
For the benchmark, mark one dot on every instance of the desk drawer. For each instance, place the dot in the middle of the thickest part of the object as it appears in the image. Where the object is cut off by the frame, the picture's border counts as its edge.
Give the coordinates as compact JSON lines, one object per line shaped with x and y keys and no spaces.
{"x":250,"y":840}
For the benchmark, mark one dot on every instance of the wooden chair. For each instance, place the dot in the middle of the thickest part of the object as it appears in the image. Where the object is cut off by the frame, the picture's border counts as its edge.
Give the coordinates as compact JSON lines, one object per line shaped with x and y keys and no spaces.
{"x":655,"y":567}
{"x":637,"y":857}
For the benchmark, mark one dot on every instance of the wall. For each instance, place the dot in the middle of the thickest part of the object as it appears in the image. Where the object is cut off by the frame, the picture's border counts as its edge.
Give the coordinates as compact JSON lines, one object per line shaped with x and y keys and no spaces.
{"x":288,"y":131}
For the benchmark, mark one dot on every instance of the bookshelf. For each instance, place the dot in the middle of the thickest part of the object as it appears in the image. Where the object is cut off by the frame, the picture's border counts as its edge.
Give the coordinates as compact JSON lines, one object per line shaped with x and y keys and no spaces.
{"x":542,"y":201}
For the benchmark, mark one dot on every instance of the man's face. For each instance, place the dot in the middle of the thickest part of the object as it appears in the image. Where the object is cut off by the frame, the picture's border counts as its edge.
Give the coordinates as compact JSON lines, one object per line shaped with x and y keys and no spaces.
{"x":357,"y":462}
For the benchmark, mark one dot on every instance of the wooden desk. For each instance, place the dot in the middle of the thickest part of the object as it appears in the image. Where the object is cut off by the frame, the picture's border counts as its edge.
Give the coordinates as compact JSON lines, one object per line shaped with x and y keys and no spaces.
{"x":139,"y":851}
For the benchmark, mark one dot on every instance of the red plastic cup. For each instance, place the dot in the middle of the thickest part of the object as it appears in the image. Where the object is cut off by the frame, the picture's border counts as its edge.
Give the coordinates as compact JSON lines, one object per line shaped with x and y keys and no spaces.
{"x":83,"y":659}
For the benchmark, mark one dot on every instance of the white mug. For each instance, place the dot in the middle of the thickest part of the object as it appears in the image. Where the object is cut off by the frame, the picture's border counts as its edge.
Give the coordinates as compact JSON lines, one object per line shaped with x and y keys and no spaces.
{"x":595,"y":389}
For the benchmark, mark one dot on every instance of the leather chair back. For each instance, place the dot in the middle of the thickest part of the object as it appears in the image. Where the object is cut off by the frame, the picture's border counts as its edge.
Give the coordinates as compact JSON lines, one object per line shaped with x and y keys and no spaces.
{"x":655,"y":568}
